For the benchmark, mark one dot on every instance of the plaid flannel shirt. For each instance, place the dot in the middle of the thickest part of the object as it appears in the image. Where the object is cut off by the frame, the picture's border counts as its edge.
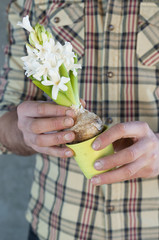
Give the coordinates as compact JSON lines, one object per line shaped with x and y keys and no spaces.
{"x":117,"y":43}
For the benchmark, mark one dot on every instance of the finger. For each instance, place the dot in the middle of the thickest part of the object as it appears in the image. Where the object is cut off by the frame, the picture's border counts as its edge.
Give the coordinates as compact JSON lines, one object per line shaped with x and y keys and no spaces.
{"x":121,"y":130}
{"x":123,"y":173}
{"x":62,"y":152}
{"x":151,"y":168}
{"x":43,"y":125}
{"x":125,"y":156}
{"x":52,"y":139}
{"x":83,"y":102}
{"x":43,"y":109}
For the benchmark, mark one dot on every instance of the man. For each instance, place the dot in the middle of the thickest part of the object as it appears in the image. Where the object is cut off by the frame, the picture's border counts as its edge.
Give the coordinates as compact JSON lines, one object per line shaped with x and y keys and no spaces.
{"x":117,"y":44}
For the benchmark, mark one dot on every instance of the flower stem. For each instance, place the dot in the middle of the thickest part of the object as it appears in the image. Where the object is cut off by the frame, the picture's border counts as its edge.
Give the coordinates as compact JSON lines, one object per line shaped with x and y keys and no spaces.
{"x":74,"y":83}
{"x":69,"y":93}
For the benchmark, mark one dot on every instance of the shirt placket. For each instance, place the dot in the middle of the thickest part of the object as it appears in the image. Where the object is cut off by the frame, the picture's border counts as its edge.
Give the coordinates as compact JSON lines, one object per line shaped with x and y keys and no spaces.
{"x":110,"y":95}
{"x":111,"y":54}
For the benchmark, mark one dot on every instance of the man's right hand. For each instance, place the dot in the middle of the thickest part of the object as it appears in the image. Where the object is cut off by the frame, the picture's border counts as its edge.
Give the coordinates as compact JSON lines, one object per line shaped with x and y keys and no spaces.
{"x":41,"y":124}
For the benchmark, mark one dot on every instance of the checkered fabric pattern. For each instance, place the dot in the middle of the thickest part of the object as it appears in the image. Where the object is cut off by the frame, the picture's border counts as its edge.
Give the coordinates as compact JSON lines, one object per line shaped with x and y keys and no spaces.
{"x":117,"y":42}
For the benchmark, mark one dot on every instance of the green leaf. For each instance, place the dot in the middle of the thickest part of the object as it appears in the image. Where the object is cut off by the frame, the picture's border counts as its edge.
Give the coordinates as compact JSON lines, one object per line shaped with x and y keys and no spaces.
{"x":69,"y":93}
{"x":74,"y":83}
{"x":61,"y":98}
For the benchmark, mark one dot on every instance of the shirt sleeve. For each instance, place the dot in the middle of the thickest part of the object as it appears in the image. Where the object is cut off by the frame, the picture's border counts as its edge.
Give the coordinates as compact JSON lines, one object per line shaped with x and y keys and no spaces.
{"x":15,"y":87}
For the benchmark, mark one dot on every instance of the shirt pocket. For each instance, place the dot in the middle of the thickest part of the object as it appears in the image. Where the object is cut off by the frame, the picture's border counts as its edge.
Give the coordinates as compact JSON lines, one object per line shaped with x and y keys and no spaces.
{"x":65,"y":20}
{"x":148,"y":34}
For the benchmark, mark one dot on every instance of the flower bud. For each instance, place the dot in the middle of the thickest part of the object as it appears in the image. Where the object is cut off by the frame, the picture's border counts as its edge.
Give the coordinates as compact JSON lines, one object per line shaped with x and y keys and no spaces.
{"x":42,"y":34}
{"x":33,"y":40}
{"x":37,"y":27}
{"x":49,"y":35}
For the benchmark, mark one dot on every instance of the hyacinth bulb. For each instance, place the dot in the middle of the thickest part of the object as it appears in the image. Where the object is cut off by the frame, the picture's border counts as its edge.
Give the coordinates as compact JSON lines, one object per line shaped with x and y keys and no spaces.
{"x":87,"y":125}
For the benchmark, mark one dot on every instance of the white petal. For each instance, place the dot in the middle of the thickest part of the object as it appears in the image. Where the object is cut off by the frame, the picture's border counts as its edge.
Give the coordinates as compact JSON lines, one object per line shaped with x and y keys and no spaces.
{"x":75,"y":72}
{"x":54,"y":75}
{"x":44,"y":37}
{"x":37,"y":76}
{"x":77,"y":66}
{"x":38,"y":46}
{"x":26,"y":24}
{"x":52,"y":42}
{"x":47,"y":83}
{"x":33,"y":38}
{"x":30,"y":50}
{"x":62,"y":87}
{"x":68,"y":46}
{"x":59,"y":48}
{"x":65,"y":80}
{"x":45,"y":78}
{"x":59,"y":62}
{"x":55,"y":90}
{"x":25,"y":58}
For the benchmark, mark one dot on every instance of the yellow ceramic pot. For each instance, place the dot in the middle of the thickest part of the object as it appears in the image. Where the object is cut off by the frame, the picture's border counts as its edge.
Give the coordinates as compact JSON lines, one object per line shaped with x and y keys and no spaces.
{"x":86,"y":156}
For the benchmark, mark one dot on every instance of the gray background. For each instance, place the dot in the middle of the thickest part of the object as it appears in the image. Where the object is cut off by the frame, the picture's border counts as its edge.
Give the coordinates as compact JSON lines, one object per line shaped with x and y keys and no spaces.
{"x":16,"y":172}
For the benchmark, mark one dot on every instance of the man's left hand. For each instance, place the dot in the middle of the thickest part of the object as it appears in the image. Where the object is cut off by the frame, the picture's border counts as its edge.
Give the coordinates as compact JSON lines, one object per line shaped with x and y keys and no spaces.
{"x":136,"y":153}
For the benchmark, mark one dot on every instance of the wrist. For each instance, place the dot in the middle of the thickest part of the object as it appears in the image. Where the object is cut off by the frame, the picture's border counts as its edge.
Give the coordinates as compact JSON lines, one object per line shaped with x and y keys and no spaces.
{"x":11,"y":138}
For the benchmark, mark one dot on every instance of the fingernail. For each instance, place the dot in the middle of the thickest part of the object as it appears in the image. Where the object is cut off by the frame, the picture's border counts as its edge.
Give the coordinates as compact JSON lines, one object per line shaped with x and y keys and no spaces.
{"x":98,"y":165}
{"x":68,"y":153}
{"x":68,"y":122}
{"x":70,"y":113}
{"x":96,"y":145}
{"x":96,"y":180}
{"x":83,"y":102}
{"x":68,"y":136}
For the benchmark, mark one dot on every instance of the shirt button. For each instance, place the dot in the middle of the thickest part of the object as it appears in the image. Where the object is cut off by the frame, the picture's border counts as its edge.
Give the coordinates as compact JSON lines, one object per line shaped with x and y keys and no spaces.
{"x":110,"y":208}
{"x":109,"y":120}
{"x":110,"y":74}
{"x":56,"y":20}
{"x":110,"y":27}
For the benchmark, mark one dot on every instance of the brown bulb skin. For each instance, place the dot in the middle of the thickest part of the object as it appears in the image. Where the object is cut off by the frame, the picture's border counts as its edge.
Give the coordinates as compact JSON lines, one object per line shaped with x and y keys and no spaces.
{"x":87,"y":125}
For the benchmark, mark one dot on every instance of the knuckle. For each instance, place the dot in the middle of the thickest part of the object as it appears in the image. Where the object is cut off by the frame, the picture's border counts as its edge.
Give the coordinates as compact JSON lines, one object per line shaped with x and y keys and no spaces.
{"x":20,"y":109}
{"x":154,"y":156}
{"x":53,"y":124}
{"x":57,"y":110}
{"x":154,"y":143}
{"x":35,"y":127}
{"x":129,"y":171}
{"x":41,"y":109}
{"x":39,"y":141}
{"x":130,"y":154}
{"x":56,"y":152}
{"x":58,"y":139}
{"x":121,"y":128}
{"x":155,"y":171}
{"x":150,"y":169}
{"x":145,"y":127}
{"x":20,"y":125}
{"x":112,"y":163}
{"x":49,"y":151}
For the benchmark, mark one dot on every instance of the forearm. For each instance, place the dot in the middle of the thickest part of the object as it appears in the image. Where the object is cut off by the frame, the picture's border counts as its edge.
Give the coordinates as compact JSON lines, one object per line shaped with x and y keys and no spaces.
{"x":11,"y":137}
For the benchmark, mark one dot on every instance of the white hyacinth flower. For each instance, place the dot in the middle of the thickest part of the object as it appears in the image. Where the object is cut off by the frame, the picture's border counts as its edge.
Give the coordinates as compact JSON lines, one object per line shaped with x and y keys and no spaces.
{"x":26,"y":24}
{"x":45,"y":58}
{"x":57,"y":82}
